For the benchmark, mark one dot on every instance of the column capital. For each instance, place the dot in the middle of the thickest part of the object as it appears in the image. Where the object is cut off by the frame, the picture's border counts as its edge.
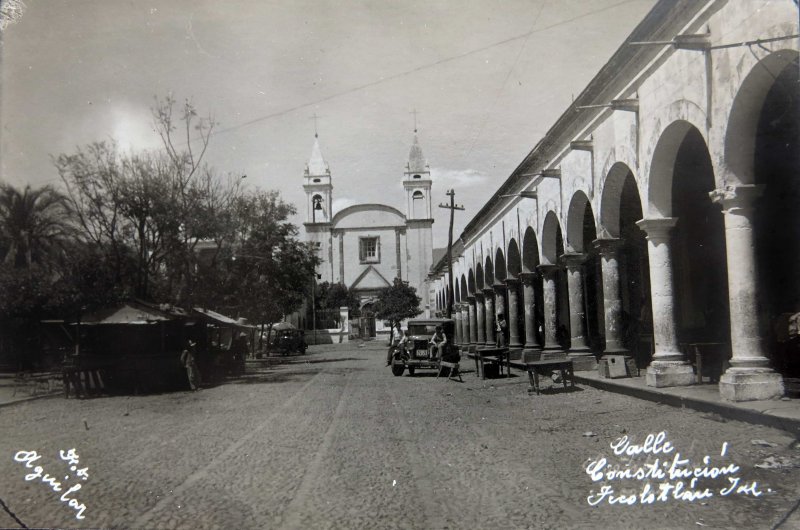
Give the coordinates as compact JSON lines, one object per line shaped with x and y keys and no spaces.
{"x":572,"y":260}
{"x":471,"y":299}
{"x":547,"y":269}
{"x":528,"y":277}
{"x":607,"y":246}
{"x":478,"y":296}
{"x":657,"y":229}
{"x":511,"y":282}
{"x":488,"y":291}
{"x":736,"y":197}
{"x":499,"y":287}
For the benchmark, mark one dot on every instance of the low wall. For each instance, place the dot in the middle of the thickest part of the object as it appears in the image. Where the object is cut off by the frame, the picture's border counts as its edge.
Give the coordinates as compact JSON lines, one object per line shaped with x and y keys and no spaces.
{"x":326,"y":336}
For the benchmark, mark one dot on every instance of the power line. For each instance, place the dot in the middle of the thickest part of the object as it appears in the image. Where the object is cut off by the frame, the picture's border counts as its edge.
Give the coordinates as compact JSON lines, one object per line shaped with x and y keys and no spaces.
{"x":416,"y":69}
{"x":505,"y":81}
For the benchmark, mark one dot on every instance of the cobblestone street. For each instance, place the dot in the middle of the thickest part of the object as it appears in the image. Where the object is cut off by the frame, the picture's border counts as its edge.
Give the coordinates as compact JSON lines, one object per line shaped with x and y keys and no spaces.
{"x":333,"y":440}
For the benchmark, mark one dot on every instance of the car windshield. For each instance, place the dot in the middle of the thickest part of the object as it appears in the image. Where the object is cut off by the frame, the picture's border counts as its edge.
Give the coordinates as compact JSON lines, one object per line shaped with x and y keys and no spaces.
{"x":422,"y":329}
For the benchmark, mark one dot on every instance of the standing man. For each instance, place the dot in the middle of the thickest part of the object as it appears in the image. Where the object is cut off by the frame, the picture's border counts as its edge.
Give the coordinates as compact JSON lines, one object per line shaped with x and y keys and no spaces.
{"x":501,"y":330}
{"x":190,"y":363}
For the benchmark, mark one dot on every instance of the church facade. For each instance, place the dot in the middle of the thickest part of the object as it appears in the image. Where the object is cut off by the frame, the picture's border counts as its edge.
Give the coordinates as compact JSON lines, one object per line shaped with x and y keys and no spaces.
{"x":367,"y":246}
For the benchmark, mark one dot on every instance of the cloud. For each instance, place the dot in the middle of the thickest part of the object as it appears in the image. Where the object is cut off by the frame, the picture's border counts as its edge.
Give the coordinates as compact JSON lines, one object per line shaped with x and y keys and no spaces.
{"x":131,"y":127}
{"x":458,"y":178}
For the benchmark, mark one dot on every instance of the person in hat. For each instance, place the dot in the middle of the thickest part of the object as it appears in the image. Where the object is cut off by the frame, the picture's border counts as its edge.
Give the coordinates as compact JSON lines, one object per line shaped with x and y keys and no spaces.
{"x":190,"y":363}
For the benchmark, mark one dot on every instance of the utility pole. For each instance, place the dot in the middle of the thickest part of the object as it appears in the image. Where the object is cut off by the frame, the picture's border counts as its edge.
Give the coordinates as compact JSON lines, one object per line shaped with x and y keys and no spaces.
{"x":452,"y":207}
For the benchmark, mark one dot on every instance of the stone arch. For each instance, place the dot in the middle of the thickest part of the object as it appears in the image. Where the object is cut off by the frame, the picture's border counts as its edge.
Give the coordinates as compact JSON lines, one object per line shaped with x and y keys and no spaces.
{"x":662,"y":166}
{"x":464,"y":290}
{"x":530,"y":251}
{"x":776,"y":216}
{"x":471,"y":282}
{"x":479,"y":277}
{"x":552,"y":241}
{"x":743,"y":121}
{"x":489,"y":272}
{"x":457,"y":289}
{"x":575,"y":222}
{"x":500,"y":269}
{"x":514,"y":259}
{"x":611,"y":200}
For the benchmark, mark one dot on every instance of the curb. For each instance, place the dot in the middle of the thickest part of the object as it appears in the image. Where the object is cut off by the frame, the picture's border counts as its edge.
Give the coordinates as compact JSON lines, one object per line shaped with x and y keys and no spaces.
{"x":791,"y":425}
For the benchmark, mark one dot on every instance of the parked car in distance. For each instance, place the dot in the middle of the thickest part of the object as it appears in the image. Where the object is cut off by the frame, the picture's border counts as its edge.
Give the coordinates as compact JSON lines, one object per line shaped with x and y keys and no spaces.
{"x":286,"y":341}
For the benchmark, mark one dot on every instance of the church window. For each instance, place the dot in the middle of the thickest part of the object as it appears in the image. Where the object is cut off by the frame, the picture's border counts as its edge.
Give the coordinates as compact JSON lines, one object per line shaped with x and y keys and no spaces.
{"x":418,"y":195}
{"x":369,"y":249}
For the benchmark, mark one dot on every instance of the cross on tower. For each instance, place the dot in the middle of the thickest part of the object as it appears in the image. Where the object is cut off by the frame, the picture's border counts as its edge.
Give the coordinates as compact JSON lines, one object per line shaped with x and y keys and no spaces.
{"x":315,"y":117}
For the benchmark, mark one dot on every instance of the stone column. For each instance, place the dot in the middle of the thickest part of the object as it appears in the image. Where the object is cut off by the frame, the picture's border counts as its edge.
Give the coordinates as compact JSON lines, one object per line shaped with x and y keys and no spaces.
{"x":456,"y":315}
{"x":668,"y":367}
{"x":512,"y":286}
{"x":529,"y":305}
{"x":464,"y":325}
{"x":473,"y":324}
{"x":749,"y":376}
{"x":488,"y":295}
{"x":499,"y":306}
{"x":580,"y":353}
{"x":480,"y":319}
{"x":612,"y":299}
{"x":549,"y":273}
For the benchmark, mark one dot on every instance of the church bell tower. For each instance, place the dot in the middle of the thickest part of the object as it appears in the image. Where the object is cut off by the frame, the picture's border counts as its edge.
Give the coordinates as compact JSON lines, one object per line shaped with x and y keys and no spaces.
{"x":318,"y":187}
{"x":417,"y":183}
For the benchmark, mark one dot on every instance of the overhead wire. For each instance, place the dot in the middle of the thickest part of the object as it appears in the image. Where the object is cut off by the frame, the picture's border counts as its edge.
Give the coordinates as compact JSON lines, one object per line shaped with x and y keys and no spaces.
{"x":505,"y":81}
{"x":416,"y":69}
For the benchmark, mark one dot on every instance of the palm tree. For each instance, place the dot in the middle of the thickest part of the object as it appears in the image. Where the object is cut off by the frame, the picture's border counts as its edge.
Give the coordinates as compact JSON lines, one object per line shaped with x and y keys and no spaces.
{"x":34,"y":224}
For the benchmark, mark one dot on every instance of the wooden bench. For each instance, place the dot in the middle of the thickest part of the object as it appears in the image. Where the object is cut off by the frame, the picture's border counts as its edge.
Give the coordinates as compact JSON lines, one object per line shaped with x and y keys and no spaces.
{"x":534,"y":369}
{"x":708,"y":359}
{"x":453,"y":370}
{"x":83,"y":382}
{"x":491,"y":355}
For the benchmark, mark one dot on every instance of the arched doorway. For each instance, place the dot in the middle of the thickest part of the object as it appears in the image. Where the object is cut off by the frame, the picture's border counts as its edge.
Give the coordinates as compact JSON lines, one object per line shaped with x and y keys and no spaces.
{"x":622,"y":247}
{"x":776,"y":221}
{"x":532,"y":291}
{"x":488,"y":299}
{"x":366,"y":322}
{"x":698,"y":248}
{"x":555,"y":306}
{"x":500,"y":276}
{"x":581,"y":232}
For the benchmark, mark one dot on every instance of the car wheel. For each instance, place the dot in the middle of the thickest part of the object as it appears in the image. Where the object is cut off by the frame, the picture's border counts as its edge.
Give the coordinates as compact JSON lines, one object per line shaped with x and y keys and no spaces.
{"x":397,"y":369}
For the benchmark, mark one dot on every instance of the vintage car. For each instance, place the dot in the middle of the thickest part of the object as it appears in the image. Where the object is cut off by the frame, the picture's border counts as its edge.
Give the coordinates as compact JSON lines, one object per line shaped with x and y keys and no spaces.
{"x":418,"y":353}
{"x":286,"y":341}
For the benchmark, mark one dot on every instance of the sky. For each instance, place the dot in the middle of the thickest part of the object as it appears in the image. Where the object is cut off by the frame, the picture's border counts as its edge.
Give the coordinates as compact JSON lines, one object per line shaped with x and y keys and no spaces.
{"x":485,"y":79}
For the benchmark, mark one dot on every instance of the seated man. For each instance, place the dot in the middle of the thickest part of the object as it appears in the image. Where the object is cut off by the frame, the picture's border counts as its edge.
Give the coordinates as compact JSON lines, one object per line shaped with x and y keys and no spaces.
{"x":437,"y":343}
{"x":399,"y":340}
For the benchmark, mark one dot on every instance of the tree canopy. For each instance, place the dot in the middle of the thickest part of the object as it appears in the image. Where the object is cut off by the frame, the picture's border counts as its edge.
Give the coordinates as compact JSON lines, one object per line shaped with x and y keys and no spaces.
{"x":332,"y":296}
{"x":398,"y":302}
{"x":158,"y":225}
